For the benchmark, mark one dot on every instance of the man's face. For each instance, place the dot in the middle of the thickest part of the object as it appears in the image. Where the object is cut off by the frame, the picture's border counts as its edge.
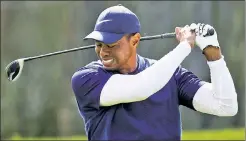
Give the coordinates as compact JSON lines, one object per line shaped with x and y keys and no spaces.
{"x":115,"y":56}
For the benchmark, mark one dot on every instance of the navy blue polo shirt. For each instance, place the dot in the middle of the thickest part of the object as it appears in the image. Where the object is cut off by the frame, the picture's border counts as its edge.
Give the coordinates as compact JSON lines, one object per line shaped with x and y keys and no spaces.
{"x":156,"y":118}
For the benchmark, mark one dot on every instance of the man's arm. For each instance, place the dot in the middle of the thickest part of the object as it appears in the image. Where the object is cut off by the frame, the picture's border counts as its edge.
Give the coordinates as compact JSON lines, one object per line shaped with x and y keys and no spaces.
{"x":132,"y":88}
{"x":218,"y":97}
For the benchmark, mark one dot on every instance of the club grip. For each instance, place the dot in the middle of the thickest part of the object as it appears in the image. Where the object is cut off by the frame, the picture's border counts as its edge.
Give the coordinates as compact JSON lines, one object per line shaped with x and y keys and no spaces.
{"x":210,"y":32}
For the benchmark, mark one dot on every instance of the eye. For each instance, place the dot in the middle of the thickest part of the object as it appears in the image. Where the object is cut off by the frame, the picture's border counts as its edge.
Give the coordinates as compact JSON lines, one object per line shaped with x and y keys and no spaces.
{"x":111,"y":46}
{"x":98,"y":45}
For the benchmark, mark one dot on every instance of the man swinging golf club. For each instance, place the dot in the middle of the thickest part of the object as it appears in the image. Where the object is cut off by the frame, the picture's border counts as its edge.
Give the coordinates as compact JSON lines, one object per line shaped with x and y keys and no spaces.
{"x":124,"y":96}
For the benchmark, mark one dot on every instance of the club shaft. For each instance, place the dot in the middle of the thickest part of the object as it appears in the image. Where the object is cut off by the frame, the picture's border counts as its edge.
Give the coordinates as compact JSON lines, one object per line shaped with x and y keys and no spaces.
{"x":161,"y":36}
{"x":58,"y":52}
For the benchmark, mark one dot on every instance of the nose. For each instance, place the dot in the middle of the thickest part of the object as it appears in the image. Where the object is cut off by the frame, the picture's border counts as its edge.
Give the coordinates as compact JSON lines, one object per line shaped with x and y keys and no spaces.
{"x":104,"y":51}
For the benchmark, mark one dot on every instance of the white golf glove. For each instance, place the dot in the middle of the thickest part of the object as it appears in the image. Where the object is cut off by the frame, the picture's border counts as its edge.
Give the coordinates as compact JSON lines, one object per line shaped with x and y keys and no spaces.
{"x":202,"y":38}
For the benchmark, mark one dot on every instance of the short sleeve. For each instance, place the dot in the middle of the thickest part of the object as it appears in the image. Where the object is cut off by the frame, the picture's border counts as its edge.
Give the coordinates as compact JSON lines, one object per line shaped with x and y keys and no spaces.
{"x":188,"y":84}
{"x":87,"y":85}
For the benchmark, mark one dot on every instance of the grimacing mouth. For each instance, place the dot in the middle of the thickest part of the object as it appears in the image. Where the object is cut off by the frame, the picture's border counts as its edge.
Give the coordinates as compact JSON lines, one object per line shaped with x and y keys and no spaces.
{"x":106,"y":59}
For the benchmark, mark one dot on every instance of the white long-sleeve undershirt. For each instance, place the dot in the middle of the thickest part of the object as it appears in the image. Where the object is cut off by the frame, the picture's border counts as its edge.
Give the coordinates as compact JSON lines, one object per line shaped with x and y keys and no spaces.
{"x":132,"y":88}
{"x":218,"y":97}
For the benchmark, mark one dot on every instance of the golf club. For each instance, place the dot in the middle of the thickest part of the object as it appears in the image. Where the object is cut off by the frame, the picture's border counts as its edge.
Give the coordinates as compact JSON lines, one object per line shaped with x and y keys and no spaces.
{"x":14,"y":69}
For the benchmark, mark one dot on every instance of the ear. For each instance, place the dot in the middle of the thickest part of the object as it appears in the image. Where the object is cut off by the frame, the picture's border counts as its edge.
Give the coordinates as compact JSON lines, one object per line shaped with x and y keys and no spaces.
{"x":135,"y":39}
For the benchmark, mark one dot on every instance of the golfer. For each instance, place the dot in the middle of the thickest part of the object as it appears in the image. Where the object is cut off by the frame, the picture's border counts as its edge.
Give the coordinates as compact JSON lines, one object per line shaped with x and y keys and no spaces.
{"x":125,"y":96}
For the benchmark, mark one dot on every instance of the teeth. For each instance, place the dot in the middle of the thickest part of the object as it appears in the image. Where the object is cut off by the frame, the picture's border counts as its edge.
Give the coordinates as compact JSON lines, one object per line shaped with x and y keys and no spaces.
{"x":107,"y":61}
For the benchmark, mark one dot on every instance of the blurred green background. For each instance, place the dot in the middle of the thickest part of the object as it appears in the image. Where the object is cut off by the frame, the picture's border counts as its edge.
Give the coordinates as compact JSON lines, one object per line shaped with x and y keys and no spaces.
{"x":41,"y":102}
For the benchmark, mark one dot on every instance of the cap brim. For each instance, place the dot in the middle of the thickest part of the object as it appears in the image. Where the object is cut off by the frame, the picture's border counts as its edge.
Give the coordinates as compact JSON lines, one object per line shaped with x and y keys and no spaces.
{"x":105,"y":37}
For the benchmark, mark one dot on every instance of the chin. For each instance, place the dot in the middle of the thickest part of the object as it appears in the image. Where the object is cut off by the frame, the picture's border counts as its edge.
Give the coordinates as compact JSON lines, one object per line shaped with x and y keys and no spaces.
{"x":109,"y":68}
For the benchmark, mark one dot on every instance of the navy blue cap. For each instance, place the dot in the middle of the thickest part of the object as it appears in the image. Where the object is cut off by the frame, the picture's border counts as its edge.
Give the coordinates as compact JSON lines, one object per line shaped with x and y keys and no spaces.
{"x":113,"y":23}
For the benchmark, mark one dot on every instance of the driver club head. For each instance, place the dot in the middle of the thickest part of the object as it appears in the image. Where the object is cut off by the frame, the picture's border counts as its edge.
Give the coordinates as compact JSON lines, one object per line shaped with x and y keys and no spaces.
{"x":14,"y":69}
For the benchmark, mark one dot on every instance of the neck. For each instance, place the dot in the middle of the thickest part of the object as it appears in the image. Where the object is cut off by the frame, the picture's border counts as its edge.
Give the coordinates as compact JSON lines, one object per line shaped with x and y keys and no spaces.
{"x":130,"y":66}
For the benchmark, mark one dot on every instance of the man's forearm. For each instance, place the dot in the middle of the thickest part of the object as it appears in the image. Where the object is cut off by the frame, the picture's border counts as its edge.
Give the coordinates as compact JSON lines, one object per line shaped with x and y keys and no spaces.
{"x":212,"y":53}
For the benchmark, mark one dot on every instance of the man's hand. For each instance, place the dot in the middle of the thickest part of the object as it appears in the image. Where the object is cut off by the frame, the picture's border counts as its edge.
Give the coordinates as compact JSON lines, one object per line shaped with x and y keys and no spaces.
{"x":185,"y":34}
{"x":208,"y":43}
{"x":202,"y":40}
